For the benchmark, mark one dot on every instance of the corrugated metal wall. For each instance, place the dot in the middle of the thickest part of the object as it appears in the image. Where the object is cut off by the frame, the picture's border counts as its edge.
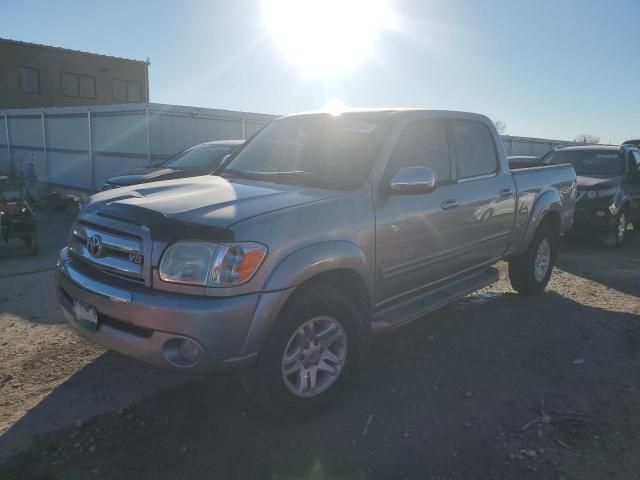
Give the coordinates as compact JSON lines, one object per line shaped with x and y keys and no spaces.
{"x":530,"y":146}
{"x":80,"y":147}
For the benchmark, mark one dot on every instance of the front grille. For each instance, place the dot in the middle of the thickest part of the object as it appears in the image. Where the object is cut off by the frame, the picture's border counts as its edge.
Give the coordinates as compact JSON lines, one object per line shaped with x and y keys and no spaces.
{"x":112,"y":252}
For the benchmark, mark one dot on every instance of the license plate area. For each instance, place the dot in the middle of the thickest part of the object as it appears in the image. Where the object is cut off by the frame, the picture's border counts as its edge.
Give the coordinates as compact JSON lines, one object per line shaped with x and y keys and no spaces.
{"x":85,"y":315}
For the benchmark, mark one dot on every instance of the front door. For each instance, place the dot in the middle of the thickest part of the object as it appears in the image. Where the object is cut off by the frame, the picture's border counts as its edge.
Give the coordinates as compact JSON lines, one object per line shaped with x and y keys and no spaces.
{"x":413,"y":232}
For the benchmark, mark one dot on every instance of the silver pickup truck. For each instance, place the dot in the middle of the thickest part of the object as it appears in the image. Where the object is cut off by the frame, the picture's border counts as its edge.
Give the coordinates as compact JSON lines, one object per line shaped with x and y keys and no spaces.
{"x":319,"y":232}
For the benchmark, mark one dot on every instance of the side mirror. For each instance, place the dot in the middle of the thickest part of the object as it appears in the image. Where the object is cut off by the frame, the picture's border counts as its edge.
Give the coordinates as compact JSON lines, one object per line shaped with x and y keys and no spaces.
{"x":413,"y":180}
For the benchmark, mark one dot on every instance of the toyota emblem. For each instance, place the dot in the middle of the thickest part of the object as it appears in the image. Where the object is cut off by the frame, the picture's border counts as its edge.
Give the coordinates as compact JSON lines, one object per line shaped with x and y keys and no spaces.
{"x":95,"y":246}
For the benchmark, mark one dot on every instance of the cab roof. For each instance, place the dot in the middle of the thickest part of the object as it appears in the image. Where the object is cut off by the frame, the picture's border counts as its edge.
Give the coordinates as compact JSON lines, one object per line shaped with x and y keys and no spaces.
{"x":611,"y":148}
{"x":381,"y":113}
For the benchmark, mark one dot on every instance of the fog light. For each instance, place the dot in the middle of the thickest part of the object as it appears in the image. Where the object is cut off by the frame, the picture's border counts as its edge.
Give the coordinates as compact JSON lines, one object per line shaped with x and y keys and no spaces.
{"x":600,"y":213}
{"x":189,"y":350}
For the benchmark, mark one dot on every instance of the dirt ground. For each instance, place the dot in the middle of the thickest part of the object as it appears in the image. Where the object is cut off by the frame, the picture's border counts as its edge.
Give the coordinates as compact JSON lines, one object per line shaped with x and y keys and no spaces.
{"x":496,"y":386}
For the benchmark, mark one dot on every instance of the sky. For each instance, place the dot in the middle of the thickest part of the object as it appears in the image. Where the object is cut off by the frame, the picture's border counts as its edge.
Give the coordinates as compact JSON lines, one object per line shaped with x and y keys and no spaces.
{"x":547,"y":68}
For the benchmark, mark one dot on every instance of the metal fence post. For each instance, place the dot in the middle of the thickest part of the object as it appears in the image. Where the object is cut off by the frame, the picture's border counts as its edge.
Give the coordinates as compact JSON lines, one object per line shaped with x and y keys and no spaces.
{"x":6,"y":129}
{"x":244,"y":128}
{"x":44,"y":148}
{"x":93,"y":183}
{"x":146,"y":111}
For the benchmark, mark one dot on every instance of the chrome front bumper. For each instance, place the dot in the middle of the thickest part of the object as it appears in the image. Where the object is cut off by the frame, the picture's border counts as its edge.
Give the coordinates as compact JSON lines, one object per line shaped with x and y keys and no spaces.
{"x":147,"y":324}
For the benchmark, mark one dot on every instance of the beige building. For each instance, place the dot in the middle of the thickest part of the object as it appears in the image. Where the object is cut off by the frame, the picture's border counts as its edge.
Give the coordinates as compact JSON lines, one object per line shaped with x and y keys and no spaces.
{"x":33,"y":75}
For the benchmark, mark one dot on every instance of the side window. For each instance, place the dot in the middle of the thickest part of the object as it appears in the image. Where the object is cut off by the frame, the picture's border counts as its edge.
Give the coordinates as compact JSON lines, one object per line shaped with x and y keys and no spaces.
{"x":126,"y":91}
{"x":119,"y":91}
{"x":423,"y":144}
{"x":474,"y":147}
{"x":77,"y":85}
{"x":29,"y":80}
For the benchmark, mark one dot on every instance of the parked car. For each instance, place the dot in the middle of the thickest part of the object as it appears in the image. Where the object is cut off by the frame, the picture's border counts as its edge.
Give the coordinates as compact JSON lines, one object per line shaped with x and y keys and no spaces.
{"x":202,"y":159}
{"x":608,"y":188}
{"x":634,"y":142}
{"x":523,"y":161}
{"x":318,"y":232}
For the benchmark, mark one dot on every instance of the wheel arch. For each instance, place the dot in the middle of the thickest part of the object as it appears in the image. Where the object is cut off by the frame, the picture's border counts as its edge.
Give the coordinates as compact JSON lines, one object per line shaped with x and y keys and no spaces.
{"x":547,"y":208}
{"x":340,"y":264}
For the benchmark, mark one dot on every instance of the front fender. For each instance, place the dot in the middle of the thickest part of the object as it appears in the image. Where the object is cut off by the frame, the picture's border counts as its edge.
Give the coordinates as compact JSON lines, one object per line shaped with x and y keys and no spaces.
{"x":307,"y":262}
{"x":296,"y":268}
{"x":618,"y":201}
{"x":546,"y":203}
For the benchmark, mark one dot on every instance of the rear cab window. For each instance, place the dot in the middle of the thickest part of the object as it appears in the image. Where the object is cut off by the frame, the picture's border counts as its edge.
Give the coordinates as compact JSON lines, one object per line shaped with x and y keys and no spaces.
{"x":475,"y":150}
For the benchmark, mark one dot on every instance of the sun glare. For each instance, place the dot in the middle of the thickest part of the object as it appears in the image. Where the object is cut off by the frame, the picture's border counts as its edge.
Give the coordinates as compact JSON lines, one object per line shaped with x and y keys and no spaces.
{"x":327,"y":35}
{"x":335,"y":107}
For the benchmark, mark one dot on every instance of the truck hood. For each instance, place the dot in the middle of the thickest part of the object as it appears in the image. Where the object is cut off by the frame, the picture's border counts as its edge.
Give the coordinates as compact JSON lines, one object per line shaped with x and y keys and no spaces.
{"x":208,"y":200}
{"x":597,"y":182}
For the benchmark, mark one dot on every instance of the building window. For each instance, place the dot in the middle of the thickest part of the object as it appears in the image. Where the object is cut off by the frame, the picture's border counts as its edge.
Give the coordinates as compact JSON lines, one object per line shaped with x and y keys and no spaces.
{"x":127,"y":91}
{"x":76,"y":85}
{"x":29,"y":80}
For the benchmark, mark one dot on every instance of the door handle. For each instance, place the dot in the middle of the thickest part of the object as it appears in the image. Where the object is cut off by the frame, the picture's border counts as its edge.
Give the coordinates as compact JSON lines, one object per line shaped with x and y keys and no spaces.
{"x":506,"y":192}
{"x":449,"y":204}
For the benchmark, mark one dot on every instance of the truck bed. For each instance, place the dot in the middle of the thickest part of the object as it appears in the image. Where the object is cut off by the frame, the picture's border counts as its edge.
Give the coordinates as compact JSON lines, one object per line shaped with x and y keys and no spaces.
{"x":532,"y":184}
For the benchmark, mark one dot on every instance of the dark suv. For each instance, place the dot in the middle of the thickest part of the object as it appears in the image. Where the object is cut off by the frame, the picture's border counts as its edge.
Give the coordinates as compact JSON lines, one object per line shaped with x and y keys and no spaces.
{"x":608,"y":188}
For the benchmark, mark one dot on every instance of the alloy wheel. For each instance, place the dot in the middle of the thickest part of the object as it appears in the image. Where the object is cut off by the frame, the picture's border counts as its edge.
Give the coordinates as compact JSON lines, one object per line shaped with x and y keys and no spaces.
{"x":314,"y":356}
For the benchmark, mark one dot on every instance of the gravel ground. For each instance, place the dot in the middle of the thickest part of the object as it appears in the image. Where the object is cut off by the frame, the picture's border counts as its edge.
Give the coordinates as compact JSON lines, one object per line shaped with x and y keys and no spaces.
{"x":498,"y":385}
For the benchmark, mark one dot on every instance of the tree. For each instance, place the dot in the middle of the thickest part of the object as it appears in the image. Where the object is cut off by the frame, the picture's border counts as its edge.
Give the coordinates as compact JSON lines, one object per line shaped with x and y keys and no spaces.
{"x":586,"y":138}
{"x":501,"y":127}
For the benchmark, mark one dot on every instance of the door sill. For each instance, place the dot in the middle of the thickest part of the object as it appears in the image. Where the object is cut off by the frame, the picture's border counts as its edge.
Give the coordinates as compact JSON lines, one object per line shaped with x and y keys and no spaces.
{"x":416,"y":307}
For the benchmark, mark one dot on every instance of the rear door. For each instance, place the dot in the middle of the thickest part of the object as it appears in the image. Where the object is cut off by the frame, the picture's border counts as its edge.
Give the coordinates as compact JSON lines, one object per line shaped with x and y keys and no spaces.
{"x":484,"y":195}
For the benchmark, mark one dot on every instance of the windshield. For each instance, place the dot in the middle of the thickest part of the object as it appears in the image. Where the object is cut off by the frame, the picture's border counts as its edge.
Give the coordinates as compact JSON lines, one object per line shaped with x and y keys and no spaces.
{"x":589,"y":162}
{"x":323,"y":151}
{"x":199,"y":157}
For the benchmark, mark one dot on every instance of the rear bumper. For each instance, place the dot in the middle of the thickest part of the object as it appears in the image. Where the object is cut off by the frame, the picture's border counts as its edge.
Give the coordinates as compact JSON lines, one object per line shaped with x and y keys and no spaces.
{"x":148,"y":325}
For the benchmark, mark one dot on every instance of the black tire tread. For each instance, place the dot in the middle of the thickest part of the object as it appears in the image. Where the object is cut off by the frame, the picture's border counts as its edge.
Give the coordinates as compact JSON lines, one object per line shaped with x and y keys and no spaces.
{"x":521,"y":267}
{"x":258,"y":379}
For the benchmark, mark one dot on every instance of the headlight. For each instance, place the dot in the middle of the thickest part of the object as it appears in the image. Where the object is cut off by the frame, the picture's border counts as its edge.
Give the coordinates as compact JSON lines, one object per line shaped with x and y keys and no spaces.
{"x":607,"y":192}
{"x":210,"y":264}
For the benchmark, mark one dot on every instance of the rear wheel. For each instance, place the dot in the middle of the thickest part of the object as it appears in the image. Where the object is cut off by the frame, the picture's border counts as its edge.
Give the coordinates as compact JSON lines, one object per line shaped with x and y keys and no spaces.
{"x":309,"y":356}
{"x":32,"y":244}
{"x":529,"y":273}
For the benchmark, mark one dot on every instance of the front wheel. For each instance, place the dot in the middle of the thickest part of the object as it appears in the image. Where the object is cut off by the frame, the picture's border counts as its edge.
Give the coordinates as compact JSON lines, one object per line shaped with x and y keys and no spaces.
{"x":310,"y":354}
{"x":616,"y":238}
{"x":530,"y":272}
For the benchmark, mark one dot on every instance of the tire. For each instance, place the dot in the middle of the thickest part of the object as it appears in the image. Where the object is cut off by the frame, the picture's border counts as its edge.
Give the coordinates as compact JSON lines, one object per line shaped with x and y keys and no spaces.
{"x":616,"y":237}
{"x":265,"y":381}
{"x":32,"y":245}
{"x":522,"y":269}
